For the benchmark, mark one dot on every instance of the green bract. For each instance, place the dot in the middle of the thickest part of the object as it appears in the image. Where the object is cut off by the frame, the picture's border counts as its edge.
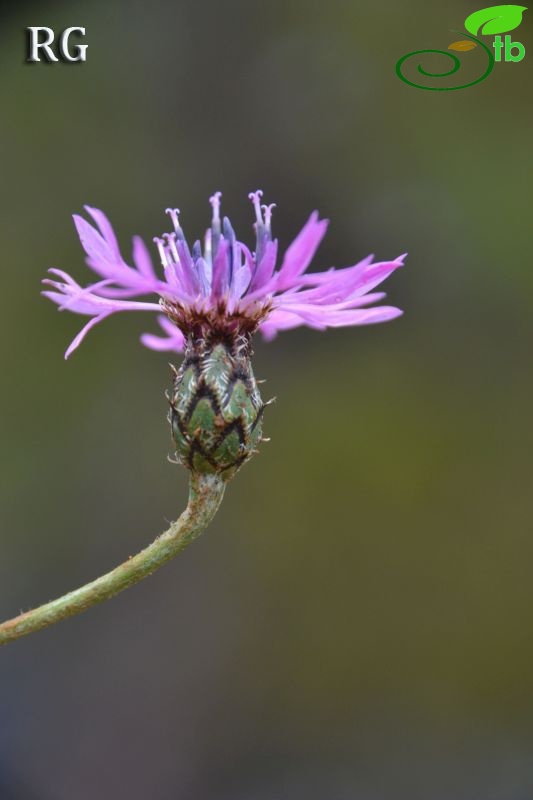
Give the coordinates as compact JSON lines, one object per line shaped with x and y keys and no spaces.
{"x":215,"y":406}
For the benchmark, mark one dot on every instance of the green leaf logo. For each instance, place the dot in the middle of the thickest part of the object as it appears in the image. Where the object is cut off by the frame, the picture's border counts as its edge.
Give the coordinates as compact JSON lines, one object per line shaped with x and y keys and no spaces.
{"x":496,"y":19}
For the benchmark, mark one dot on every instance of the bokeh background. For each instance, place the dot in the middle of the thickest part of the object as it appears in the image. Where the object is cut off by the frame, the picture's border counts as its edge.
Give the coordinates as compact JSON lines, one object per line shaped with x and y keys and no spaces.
{"x":357,"y":622}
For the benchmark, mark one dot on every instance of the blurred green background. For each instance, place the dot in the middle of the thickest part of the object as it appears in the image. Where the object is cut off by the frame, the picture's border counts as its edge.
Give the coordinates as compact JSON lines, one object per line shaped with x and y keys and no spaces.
{"x":357,"y":621}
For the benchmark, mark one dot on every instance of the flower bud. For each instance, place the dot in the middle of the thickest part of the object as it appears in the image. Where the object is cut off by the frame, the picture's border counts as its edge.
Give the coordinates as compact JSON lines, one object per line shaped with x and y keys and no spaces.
{"x":215,"y":405}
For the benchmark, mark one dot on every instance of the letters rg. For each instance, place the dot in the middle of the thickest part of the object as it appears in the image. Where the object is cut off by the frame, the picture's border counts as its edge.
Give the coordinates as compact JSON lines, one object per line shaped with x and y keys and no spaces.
{"x":41,"y":39}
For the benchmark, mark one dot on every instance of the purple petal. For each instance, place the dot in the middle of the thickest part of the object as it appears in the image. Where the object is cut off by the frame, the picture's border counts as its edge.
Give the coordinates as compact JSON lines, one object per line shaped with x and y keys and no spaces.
{"x":300,"y":253}
{"x":330,"y":301}
{"x":367,"y":316}
{"x":357,"y":279}
{"x":106,"y":229}
{"x":220,"y":271}
{"x":85,"y":301}
{"x":75,"y":343}
{"x":376,"y":274}
{"x":103,"y":256}
{"x":318,"y":316}
{"x":189,"y":274}
{"x":265,"y":268}
{"x":242,"y":270}
{"x":204,"y":276}
{"x":94,"y":245}
{"x":174,"y":339}
{"x":277,"y":321}
{"x":142,"y":259}
{"x":161,"y":344}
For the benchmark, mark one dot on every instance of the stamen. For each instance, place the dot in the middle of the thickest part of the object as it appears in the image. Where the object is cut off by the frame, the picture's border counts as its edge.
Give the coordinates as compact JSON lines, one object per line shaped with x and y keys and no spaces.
{"x":171,"y":244}
{"x":208,"y":248}
{"x":174,"y":216}
{"x":255,"y":197}
{"x":162,"y":251}
{"x":267,"y":210}
{"x":229,"y":236}
{"x":215,"y":205}
{"x":215,"y":223}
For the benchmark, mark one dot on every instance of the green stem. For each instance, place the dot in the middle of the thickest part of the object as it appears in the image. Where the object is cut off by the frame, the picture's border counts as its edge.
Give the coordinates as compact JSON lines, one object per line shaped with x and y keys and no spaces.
{"x":206,"y":492}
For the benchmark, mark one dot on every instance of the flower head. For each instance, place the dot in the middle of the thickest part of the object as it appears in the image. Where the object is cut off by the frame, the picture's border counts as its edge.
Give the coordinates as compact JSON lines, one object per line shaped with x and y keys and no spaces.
{"x":222,"y":287}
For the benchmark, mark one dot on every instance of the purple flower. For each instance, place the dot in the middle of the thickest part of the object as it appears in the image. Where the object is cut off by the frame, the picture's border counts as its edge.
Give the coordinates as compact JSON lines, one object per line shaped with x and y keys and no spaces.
{"x":224,"y":286}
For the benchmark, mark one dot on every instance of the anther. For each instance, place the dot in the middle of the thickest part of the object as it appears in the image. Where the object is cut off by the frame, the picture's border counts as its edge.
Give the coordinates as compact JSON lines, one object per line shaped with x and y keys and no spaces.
{"x":171,"y":244}
{"x":162,"y":252}
{"x":174,"y":214}
{"x":255,"y":197}
{"x":208,"y":246}
{"x":267,"y":210}
{"x":215,"y":205}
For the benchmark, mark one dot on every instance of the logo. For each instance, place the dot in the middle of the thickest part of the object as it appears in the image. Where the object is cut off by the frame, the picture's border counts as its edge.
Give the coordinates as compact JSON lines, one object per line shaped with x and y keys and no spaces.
{"x":41,"y":39}
{"x":487,"y":22}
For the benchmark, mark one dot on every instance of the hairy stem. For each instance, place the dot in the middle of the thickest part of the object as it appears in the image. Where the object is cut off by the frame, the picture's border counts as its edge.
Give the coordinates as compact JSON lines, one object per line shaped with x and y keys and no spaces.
{"x":206,"y":492}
